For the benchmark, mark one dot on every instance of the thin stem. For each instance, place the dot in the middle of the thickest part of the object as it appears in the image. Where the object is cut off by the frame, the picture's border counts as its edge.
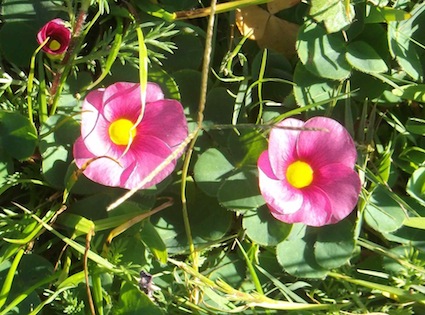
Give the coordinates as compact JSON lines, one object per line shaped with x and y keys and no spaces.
{"x":42,"y":108}
{"x":200,"y":119}
{"x":31,"y":80}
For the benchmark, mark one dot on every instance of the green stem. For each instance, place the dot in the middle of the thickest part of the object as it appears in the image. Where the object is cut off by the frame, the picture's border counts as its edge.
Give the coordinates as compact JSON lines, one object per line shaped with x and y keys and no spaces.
{"x":5,"y":290}
{"x":112,"y":55}
{"x":260,"y":85}
{"x":219,"y":8}
{"x":42,"y":96}
{"x":30,"y":83}
{"x":200,"y":118}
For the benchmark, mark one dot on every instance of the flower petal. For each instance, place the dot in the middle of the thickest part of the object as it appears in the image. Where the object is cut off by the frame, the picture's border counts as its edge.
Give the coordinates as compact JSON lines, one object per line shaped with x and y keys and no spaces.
{"x":102,"y":170}
{"x":153,"y":93}
{"x":94,"y":126}
{"x":165,"y":120}
{"x":333,"y":145}
{"x":342,"y":186}
{"x":122,"y":100}
{"x":315,"y":211}
{"x":282,"y":144}
{"x":278,"y":194}
{"x":142,"y":159}
{"x":55,"y":30}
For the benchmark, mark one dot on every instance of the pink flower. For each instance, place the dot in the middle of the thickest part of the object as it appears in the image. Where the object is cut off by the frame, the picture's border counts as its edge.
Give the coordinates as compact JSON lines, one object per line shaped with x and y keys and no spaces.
{"x":126,"y":153}
{"x":59,"y":37}
{"x":307,"y":176}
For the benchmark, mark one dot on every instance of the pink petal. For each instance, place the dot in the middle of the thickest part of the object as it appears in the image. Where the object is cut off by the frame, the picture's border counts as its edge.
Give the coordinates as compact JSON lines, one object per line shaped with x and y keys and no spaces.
{"x":342,"y":186}
{"x":56,"y":30}
{"x":278,"y":194}
{"x":142,"y":159}
{"x":282,"y":144}
{"x":94,"y":126}
{"x":165,"y":120}
{"x":320,"y":148}
{"x":122,"y":100}
{"x":153,"y":93}
{"x":103,"y":170}
{"x":315,"y":210}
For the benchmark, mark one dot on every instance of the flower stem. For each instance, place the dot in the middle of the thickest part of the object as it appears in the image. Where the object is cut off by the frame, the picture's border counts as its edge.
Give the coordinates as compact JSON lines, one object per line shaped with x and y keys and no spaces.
{"x":42,"y":109}
{"x":201,"y":107}
{"x":31,"y":80}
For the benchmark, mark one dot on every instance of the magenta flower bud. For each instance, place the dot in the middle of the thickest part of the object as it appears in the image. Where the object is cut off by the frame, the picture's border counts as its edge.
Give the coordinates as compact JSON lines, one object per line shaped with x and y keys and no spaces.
{"x":121,"y":150}
{"x":307,"y":176}
{"x":59,"y":37}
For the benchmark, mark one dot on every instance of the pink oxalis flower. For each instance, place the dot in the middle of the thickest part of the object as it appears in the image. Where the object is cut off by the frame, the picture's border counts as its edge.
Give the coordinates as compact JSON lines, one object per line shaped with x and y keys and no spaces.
{"x":307,"y":176}
{"x":121,"y":151}
{"x":59,"y":37}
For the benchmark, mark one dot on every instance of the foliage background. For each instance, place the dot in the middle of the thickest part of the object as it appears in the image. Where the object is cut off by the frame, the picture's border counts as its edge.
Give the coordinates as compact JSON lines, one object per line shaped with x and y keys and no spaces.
{"x":204,"y":233}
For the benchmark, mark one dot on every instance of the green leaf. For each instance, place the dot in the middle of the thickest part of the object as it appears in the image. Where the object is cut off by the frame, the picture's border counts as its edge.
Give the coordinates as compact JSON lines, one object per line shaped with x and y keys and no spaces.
{"x":401,"y":38}
{"x":189,"y":52}
{"x":363,"y":57}
{"x":383,"y":213}
{"x":411,"y":92}
{"x":416,"y":126}
{"x":6,"y":166}
{"x":296,"y":256}
{"x":311,"y":89}
{"x":415,"y":222}
{"x":219,"y":106}
{"x":208,"y":220}
{"x":240,"y":191}
{"x":385,"y":15}
{"x":262,"y":228}
{"x":154,"y":242}
{"x":335,"y":244}
{"x":210,"y":170}
{"x":414,"y":158}
{"x":416,"y":185}
{"x":336,"y":14}
{"x":230,"y":268}
{"x":246,"y":147}
{"x":18,"y":136}
{"x":56,"y":147}
{"x":322,"y":54}
{"x":189,"y":83}
{"x":135,"y":302}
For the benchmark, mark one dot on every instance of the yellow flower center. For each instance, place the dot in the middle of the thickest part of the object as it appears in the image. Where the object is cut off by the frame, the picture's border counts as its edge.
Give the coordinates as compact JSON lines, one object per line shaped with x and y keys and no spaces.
{"x":54,"y":45}
{"x":121,"y":131}
{"x":299,"y":174}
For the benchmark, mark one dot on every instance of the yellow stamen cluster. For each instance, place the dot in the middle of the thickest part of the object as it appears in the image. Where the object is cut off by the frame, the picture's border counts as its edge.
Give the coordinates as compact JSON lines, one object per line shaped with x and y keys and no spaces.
{"x":121,"y":131}
{"x":54,"y":45}
{"x":299,"y":174}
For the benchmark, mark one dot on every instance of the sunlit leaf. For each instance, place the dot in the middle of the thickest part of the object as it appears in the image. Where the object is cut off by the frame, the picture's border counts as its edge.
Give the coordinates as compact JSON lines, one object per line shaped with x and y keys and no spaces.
{"x":336,"y":14}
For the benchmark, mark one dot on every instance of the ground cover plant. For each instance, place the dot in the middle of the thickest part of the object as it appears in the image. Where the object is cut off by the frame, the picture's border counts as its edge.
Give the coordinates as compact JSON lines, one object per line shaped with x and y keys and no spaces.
{"x":212,"y":157}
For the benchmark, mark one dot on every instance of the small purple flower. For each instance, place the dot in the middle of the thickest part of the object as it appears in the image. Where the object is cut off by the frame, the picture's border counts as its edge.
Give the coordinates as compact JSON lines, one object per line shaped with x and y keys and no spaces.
{"x":59,"y":37}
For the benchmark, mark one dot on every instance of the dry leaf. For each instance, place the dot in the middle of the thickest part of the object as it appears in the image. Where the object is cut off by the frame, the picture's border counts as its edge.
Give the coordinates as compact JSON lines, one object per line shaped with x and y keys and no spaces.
{"x":279,"y":5}
{"x":268,"y":30}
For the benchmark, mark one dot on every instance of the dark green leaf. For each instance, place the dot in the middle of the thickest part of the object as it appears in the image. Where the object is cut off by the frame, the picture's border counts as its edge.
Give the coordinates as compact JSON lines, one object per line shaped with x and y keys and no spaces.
{"x":18,"y":136}
{"x":363,"y":57}
{"x":240,"y":191}
{"x":262,"y":228}
{"x":322,"y":54}
{"x":334,"y":245}
{"x":382,"y":212}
